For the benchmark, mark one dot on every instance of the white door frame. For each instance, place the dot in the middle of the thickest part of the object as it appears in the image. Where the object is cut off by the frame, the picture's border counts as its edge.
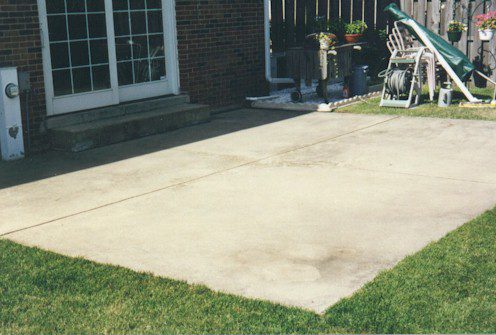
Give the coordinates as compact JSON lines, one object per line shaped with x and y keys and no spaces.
{"x":172,"y":52}
{"x":115,"y":94}
{"x":170,"y":85}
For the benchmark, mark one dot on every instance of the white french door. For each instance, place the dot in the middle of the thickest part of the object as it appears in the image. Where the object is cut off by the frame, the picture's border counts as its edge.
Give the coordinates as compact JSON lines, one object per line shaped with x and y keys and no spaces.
{"x":102,"y":52}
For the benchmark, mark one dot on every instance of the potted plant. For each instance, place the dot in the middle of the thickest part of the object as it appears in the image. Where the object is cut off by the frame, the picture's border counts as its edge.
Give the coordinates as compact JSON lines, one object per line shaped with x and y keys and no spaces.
{"x":354,"y":31}
{"x":486,"y":24}
{"x":455,"y":30}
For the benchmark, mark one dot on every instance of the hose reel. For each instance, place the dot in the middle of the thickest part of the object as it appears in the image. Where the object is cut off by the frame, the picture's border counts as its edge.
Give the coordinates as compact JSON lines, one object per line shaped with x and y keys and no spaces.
{"x":398,"y":81}
{"x":403,"y":79}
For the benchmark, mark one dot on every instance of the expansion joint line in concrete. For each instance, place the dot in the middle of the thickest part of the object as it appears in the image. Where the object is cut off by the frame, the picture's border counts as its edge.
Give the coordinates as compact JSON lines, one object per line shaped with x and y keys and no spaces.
{"x":195,"y":179}
{"x":326,"y":139}
{"x":426,"y":176}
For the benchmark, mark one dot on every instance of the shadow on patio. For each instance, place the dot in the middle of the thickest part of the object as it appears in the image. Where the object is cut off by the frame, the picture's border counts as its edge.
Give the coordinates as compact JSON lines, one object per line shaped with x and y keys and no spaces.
{"x":54,"y":163}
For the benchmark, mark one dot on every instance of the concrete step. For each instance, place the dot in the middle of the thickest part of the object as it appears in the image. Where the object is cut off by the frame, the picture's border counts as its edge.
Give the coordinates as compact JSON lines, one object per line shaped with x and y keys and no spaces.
{"x":114,"y":111}
{"x":105,"y":131}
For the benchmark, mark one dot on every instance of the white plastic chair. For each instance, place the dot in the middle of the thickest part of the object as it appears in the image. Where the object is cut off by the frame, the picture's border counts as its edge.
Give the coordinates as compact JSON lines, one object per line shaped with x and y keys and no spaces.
{"x":397,"y":42}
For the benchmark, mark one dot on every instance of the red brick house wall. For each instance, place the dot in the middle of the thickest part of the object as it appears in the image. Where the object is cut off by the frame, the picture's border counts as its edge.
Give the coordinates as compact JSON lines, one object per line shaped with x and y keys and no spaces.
{"x":220,"y":48}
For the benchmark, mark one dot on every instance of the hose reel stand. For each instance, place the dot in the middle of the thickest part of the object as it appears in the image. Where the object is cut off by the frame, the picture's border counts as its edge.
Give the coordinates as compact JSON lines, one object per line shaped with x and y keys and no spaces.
{"x":403,"y":79}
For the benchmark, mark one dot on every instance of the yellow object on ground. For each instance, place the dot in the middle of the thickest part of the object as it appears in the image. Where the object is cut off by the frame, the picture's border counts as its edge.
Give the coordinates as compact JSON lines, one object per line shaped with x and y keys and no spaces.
{"x":482,"y":104}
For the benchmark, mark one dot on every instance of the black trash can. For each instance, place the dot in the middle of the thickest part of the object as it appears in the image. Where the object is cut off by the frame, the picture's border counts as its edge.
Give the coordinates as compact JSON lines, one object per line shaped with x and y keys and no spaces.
{"x":358,"y":83}
{"x":479,"y":81}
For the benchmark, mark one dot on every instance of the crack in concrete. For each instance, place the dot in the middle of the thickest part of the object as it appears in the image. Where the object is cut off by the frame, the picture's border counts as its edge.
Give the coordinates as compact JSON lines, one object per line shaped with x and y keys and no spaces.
{"x":198,"y":178}
{"x":425,"y":176}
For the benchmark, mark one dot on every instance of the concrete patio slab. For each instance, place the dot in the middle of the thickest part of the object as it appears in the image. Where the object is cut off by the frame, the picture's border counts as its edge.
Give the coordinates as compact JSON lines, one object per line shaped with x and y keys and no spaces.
{"x":189,"y":156}
{"x":302,"y":211}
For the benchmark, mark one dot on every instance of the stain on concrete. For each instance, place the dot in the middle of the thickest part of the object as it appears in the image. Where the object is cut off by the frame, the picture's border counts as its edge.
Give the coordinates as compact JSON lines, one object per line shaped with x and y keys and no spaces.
{"x":298,"y":263}
{"x":274,"y":266}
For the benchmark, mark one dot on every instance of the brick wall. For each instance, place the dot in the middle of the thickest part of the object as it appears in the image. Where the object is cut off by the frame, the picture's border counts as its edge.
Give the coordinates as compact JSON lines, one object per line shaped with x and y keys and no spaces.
{"x":221,"y":49}
{"x":221,"y":53}
{"x":20,"y":46}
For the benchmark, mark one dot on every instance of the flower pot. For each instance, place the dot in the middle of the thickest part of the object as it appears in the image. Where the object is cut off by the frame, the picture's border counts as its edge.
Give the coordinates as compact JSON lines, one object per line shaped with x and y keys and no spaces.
{"x":352,"y":38}
{"x":486,"y":35}
{"x":454,"y":36}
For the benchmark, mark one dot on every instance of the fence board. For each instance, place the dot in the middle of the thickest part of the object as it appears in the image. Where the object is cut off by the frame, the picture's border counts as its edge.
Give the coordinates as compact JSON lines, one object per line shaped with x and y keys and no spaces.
{"x":370,"y":13}
{"x":376,"y":13}
{"x":277,"y":22}
{"x":407,"y":6}
{"x":300,"y":21}
{"x":458,"y":15}
{"x":463,"y":8}
{"x":323,"y":8}
{"x":357,"y":10}
{"x":419,"y":13}
{"x":346,"y":10}
{"x":428,"y":15}
{"x":434,"y":13}
{"x":446,"y":16}
{"x":382,"y":17}
{"x":289,"y":6}
{"x":311,"y":11}
{"x":334,"y":9}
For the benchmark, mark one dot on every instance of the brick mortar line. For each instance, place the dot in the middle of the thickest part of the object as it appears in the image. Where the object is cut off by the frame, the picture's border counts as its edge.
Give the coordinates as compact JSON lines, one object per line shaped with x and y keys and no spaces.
{"x":193,"y":179}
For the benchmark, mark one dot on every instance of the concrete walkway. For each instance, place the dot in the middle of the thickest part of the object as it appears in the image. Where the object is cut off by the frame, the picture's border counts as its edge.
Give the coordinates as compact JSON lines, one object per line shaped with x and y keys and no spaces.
{"x":301,"y":209}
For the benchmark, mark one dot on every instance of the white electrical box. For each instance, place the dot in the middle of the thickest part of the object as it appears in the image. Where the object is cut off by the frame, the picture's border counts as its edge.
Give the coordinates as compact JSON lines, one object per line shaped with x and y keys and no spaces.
{"x":11,"y":135}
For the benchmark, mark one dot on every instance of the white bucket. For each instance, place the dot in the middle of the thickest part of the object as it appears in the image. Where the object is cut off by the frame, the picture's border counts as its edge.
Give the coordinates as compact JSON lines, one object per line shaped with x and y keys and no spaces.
{"x":445,"y":96}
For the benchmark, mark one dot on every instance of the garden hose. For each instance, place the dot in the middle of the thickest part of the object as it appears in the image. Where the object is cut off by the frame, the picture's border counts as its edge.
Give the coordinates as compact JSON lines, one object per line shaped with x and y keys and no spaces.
{"x":397,"y":81}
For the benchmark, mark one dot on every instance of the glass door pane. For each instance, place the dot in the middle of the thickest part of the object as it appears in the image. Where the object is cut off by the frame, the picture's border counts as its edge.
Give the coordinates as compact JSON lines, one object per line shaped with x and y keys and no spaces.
{"x":77,"y":33}
{"x":139,"y":41}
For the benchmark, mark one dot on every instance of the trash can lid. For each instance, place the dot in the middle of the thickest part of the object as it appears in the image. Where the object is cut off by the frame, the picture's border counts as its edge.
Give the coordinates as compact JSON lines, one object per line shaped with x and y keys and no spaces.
{"x":362,"y":67}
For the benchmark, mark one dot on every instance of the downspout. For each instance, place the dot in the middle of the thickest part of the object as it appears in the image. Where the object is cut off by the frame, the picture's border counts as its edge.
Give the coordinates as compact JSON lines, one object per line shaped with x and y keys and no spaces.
{"x":268,"y":72}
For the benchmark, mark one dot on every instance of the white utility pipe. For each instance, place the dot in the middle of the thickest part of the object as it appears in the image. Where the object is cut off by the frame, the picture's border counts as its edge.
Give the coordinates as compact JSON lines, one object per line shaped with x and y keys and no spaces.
{"x":268,"y":72}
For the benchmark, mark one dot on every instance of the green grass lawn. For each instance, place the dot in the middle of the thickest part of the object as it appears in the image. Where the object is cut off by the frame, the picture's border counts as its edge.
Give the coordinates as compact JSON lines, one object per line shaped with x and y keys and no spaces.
{"x":448,"y":287}
{"x":430,"y":109}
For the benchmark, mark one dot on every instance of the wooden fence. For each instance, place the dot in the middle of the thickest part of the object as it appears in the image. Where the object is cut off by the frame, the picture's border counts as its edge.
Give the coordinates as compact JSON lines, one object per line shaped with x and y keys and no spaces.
{"x":290,"y":19}
{"x":436,"y":15}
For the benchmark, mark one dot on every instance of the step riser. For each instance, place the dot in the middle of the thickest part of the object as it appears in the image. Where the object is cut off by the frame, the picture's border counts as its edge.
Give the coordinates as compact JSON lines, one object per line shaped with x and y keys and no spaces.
{"x":114,"y":111}
{"x":111,"y":133}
